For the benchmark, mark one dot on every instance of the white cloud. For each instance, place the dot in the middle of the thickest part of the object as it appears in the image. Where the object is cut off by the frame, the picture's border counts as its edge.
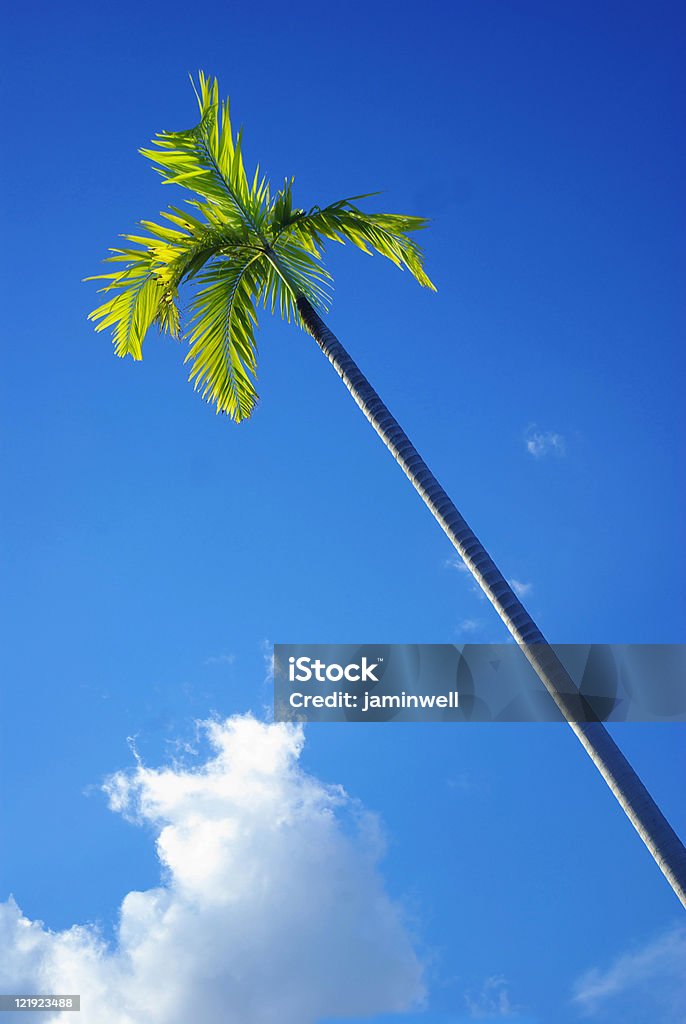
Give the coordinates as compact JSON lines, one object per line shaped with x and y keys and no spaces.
{"x":457,"y":563}
{"x":271,"y":907}
{"x":544,"y":442}
{"x":492,"y":1002}
{"x":467,"y":782}
{"x":267,"y":650}
{"x":220,"y":659}
{"x":470,"y":626}
{"x":521,"y":589}
{"x":641,"y":985}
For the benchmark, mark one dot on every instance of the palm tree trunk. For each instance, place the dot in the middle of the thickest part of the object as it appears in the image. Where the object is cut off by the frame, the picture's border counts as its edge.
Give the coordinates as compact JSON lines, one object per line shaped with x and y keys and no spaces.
{"x":643,"y":812}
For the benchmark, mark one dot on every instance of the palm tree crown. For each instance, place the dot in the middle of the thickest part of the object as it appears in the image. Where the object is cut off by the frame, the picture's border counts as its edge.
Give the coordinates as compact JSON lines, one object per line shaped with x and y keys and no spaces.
{"x":244,"y":246}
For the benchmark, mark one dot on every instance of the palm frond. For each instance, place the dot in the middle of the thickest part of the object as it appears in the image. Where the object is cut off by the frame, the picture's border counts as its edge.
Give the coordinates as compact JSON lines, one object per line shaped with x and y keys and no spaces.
{"x":385,"y":233}
{"x":301,"y":271}
{"x":136,"y":304}
{"x":180,"y":252}
{"x":222,"y":333}
{"x":168,"y":255}
{"x":209,"y":161}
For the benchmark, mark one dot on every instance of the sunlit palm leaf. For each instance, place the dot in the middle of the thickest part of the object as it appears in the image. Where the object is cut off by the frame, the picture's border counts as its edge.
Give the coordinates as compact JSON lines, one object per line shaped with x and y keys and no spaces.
{"x":135,"y":305}
{"x":222,"y":339}
{"x":386,"y":233}
{"x":302,"y":271}
{"x":208,"y":160}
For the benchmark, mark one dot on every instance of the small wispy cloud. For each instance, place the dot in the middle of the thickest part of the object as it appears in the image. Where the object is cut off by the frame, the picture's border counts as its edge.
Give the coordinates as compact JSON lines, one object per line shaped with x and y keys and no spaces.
{"x":267,"y":650}
{"x":544,"y":442}
{"x":470,"y":626}
{"x":459,"y":566}
{"x":492,"y":1002}
{"x":643,"y":984}
{"x":468,"y":783}
{"x":220,"y":659}
{"x":521,"y":589}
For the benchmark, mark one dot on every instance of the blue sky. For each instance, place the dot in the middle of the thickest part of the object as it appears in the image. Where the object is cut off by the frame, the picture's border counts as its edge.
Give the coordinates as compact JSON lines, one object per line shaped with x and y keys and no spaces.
{"x":152,"y":551}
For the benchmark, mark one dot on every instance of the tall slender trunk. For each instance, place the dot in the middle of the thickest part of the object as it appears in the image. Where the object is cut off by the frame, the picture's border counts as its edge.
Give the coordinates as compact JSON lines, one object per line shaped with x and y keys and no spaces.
{"x":643,"y":812}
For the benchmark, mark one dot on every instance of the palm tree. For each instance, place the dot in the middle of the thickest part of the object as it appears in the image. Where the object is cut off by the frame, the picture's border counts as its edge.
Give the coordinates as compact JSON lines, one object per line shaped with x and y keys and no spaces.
{"x":244,"y":245}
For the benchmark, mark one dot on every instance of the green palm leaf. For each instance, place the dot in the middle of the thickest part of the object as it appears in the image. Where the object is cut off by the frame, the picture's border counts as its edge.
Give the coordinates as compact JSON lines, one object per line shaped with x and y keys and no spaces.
{"x":222,"y":339}
{"x":386,"y":233}
{"x":208,"y":160}
{"x":136,"y":303}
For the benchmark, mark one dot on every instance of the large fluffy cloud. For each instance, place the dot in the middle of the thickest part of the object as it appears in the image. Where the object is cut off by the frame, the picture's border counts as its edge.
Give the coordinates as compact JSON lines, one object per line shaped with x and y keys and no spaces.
{"x":270,"y":909}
